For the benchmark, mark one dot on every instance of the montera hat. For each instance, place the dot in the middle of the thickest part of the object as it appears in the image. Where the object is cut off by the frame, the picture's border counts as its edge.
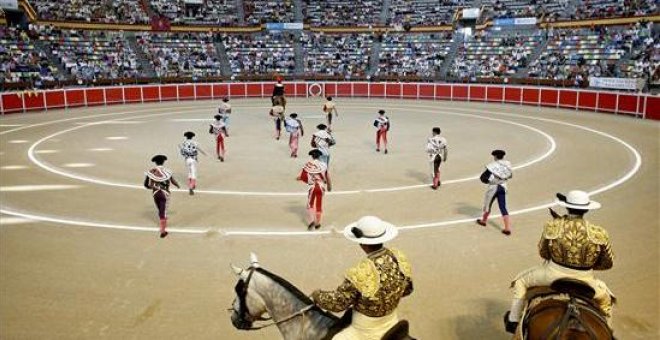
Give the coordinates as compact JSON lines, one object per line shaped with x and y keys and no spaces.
{"x":498,"y":153}
{"x":576,"y":199}
{"x":189,"y":134}
{"x":159,"y":158}
{"x":370,"y":230}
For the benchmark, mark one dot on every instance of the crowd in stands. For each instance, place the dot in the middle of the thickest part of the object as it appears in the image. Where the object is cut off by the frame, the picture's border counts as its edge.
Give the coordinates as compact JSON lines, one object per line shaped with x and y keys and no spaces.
{"x":90,"y":55}
{"x":424,"y":12}
{"x":337,"y":54}
{"x":420,"y":55}
{"x":208,"y":12}
{"x":104,"y":11}
{"x":489,"y":55}
{"x":264,"y":11}
{"x":260,"y":54}
{"x":589,"y":9}
{"x":342,"y":12}
{"x":181,"y":54}
{"x":21,"y":61}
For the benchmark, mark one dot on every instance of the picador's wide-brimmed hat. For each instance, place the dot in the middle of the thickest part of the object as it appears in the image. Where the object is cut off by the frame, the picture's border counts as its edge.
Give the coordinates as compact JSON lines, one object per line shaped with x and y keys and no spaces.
{"x":370,"y":230}
{"x":576,"y":199}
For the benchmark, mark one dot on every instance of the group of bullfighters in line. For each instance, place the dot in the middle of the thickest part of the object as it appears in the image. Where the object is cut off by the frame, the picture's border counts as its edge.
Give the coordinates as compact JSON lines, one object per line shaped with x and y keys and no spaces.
{"x":315,"y":172}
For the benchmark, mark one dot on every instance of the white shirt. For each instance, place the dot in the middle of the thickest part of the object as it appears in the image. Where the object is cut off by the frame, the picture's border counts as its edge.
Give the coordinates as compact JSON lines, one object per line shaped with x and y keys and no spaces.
{"x":321,"y":139}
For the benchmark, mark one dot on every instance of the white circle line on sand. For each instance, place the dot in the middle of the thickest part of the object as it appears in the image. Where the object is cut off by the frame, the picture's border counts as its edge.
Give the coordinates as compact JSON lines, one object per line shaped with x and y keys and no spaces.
{"x":619,"y":181}
{"x":98,"y":225}
{"x":549,"y":151}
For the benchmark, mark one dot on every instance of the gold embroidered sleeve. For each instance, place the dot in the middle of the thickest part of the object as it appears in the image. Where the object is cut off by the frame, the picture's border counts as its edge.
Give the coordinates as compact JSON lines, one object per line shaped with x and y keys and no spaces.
{"x":365,"y":277}
{"x":599,"y":236}
{"x":338,"y":300}
{"x":544,"y":248}
{"x":403,"y":262}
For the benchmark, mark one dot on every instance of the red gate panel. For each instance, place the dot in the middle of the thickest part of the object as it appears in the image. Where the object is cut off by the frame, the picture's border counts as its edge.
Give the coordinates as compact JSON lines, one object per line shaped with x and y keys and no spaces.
{"x":330,"y":89}
{"x":132,"y":94}
{"x":652,"y":107}
{"x":442,"y":91}
{"x":113,"y":95}
{"x":34,"y":100}
{"x":531,"y":96}
{"x":512,"y":94}
{"x":409,"y":91}
{"x":460,"y":92}
{"x":220,"y":90}
{"x":377,"y":90}
{"x":393,"y":90}
{"x":237,"y":90}
{"x":94,"y":97}
{"x":627,"y":103}
{"x":587,"y":100}
{"x":300,"y":90}
{"x":360,"y":89}
{"x":567,"y":98}
{"x":186,"y":92}
{"x":151,"y":93}
{"x":549,"y":97}
{"x":344,"y":90}
{"x":12,"y":102}
{"x":426,"y":91}
{"x":168,"y":92}
{"x":494,"y":94}
{"x":75,"y":98}
{"x":607,"y":102}
{"x":477,"y":92}
{"x":254,"y":90}
{"x":55,"y":99}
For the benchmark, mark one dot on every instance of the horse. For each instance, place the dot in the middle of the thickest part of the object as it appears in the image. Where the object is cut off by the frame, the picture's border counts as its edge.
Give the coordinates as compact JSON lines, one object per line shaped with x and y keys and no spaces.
{"x":262,"y":296}
{"x":279,"y":100}
{"x":565,"y":311}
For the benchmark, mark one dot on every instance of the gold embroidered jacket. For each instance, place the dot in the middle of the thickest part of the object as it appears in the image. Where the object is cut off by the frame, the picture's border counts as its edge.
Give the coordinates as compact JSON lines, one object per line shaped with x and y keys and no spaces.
{"x":372,"y":287}
{"x":574,"y":242}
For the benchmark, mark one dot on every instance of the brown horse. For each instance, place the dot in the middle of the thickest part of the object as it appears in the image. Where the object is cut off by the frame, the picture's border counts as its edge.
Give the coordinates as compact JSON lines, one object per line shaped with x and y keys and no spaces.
{"x":565,"y":312}
{"x":279,"y":100}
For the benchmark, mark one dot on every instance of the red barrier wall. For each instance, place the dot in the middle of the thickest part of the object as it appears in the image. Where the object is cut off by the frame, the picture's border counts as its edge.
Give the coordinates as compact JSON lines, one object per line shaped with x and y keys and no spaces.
{"x":645,"y":106}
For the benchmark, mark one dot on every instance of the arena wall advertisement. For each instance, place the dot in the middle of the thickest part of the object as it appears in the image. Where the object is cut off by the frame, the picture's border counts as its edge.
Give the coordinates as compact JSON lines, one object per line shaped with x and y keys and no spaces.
{"x":637,"y":105}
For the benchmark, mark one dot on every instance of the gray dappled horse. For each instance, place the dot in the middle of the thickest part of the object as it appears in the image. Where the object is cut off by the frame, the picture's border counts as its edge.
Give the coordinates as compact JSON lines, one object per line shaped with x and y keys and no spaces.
{"x":262,"y":296}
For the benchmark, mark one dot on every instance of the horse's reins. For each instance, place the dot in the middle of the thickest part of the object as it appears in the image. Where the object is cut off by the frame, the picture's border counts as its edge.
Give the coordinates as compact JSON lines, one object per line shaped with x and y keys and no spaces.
{"x":244,"y":313}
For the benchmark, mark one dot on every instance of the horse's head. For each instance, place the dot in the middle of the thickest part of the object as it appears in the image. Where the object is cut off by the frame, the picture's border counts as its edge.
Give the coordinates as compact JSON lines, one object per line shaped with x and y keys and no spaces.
{"x":248,"y":306}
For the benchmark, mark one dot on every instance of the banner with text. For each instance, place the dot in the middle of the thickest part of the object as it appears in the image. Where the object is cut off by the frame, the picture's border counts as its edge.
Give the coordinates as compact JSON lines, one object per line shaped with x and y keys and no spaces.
{"x":617,"y":83}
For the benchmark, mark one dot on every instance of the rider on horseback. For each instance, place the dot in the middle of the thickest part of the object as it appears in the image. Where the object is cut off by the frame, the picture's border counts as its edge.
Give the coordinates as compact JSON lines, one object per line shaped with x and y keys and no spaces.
{"x":572,"y":248}
{"x":374,"y":286}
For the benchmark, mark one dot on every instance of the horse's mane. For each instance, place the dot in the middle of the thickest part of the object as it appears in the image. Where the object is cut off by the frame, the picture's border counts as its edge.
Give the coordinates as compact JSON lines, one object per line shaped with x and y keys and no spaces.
{"x":295,"y":291}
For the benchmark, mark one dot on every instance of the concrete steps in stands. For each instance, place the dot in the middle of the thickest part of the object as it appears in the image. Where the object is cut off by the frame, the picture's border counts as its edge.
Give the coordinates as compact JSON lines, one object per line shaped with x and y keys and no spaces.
{"x":374,"y":58}
{"x":240,"y":7}
{"x":522,"y":73}
{"x":146,"y":5}
{"x":225,"y":67}
{"x":298,"y":10}
{"x":457,"y":41}
{"x":299,"y":53}
{"x":385,"y":12}
{"x":143,"y":60}
{"x":54,"y":60}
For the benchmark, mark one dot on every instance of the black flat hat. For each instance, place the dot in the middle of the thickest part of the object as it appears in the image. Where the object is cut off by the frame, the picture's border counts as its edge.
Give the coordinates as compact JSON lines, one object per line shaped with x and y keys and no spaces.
{"x":159,"y":158}
{"x":321,"y":126}
{"x":498,"y":153}
{"x":381,"y":111}
{"x":217,"y":117}
{"x":189,"y":134}
{"x":315,"y":152}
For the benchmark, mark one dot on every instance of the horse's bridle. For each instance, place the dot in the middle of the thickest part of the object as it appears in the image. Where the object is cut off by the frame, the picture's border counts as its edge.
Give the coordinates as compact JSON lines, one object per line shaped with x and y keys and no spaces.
{"x":245,"y":319}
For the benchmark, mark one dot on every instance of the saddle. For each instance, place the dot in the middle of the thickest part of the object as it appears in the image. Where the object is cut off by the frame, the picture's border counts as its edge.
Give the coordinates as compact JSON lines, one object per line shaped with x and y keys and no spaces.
{"x":570,"y":287}
{"x":397,"y":332}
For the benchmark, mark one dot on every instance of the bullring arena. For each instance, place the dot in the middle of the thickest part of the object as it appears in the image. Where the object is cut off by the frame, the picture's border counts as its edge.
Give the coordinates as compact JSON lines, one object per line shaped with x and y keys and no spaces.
{"x":81,"y":257}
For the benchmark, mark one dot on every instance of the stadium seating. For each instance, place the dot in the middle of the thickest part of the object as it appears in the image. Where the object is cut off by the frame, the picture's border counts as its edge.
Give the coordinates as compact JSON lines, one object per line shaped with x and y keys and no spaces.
{"x":337,"y":54}
{"x":20,"y":60}
{"x":489,"y":55}
{"x":124,"y":11}
{"x":424,"y":12}
{"x":260,"y":54}
{"x":90,"y":55}
{"x":342,"y":12}
{"x":211,"y":12}
{"x":181,"y":55}
{"x":265,"y":11}
{"x":418,"y":55}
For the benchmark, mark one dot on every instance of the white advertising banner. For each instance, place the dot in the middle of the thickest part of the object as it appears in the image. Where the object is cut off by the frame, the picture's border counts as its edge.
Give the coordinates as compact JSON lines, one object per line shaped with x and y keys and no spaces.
{"x":617,"y":83}
{"x":9,"y":4}
{"x":471,"y":13}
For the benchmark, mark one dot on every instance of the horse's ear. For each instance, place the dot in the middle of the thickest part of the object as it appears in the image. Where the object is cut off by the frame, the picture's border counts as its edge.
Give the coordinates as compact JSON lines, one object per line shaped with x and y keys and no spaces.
{"x":237,"y":271}
{"x":254,"y":260}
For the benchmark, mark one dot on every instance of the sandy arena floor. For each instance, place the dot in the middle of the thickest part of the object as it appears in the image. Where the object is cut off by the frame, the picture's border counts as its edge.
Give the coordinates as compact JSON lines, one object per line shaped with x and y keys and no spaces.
{"x":80,"y":257}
